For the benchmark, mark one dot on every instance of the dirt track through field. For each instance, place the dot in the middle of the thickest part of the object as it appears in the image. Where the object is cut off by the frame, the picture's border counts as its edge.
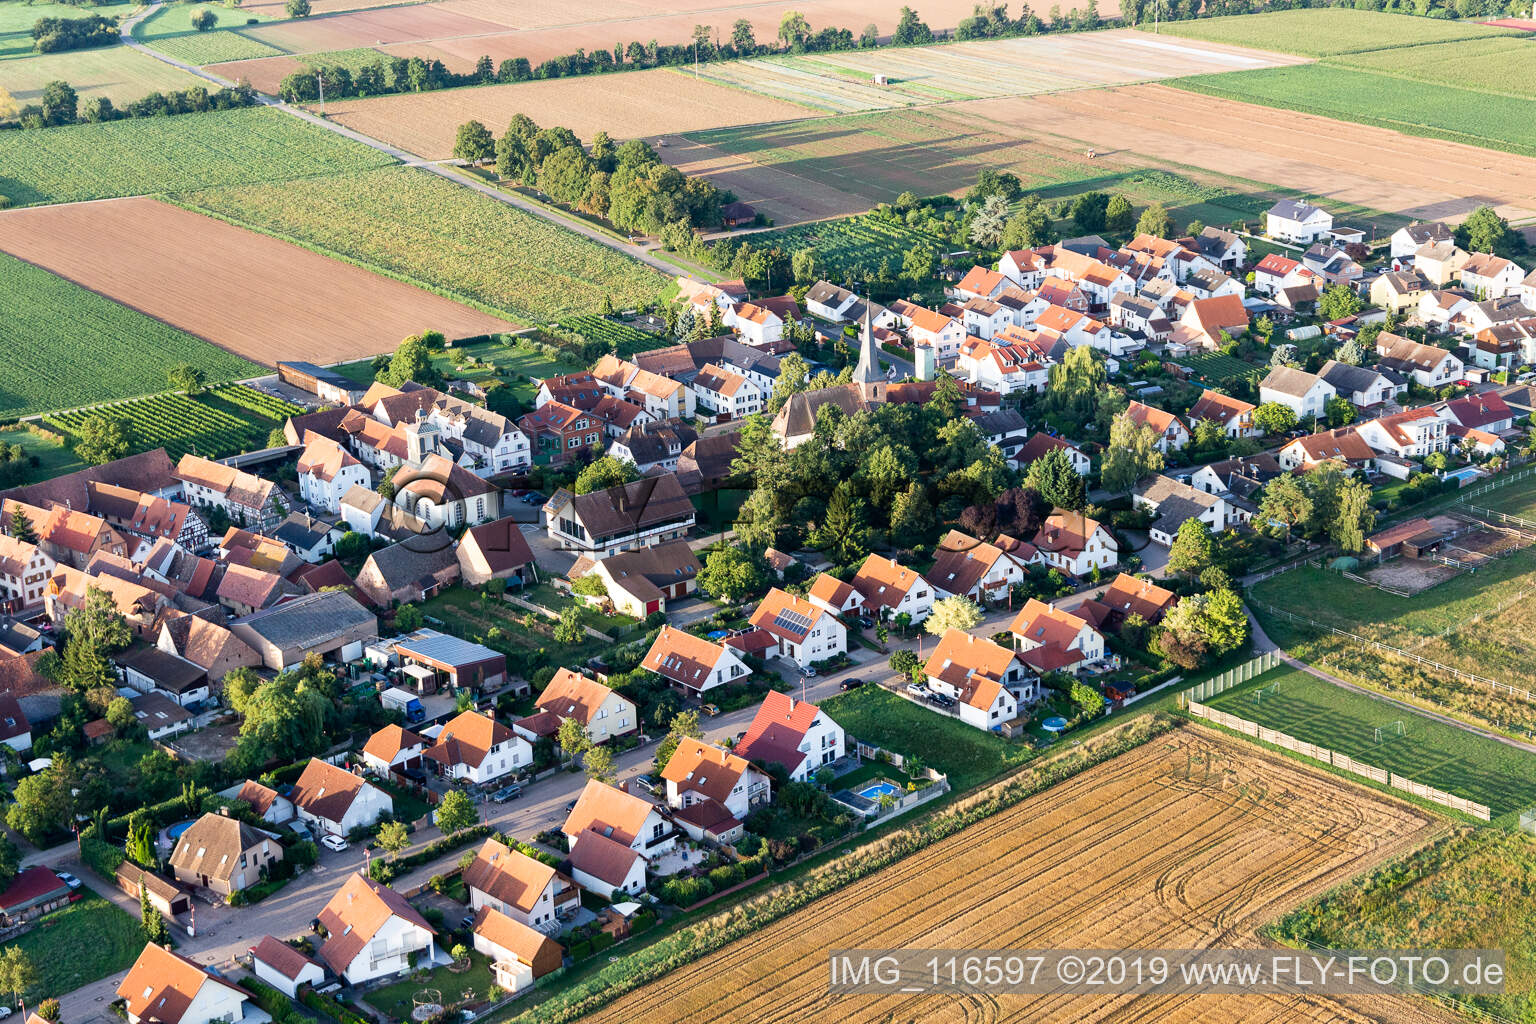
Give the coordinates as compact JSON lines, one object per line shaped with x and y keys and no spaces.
{"x":254,"y":295}
{"x":1189,"y":841}
{"x":1315,"y":156}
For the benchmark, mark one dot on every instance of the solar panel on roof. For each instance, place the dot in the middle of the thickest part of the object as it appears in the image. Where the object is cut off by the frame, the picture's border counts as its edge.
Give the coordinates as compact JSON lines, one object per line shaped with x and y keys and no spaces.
{"x":792,"y":621}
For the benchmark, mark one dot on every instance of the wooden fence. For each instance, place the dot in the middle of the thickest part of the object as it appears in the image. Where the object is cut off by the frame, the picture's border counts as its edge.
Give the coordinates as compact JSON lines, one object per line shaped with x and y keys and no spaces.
{"x":1342,"y":761}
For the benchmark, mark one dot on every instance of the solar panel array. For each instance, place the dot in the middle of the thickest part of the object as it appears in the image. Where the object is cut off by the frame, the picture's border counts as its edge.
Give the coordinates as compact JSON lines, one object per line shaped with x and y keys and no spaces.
{"x":792,"y":622}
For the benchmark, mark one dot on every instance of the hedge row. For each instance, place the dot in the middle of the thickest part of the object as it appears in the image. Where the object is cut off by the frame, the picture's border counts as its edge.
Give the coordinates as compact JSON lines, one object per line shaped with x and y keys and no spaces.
{"x":331,"y":1008}
{"x":387,"y":871}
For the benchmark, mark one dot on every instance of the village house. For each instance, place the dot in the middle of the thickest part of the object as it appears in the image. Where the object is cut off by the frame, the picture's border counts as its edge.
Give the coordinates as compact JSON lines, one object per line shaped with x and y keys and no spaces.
{"x":210,"y":646}
{"x":337,"y":801}
{"x":1233,"y":415}
{"x":756,"y":324}
{"x":1398,"y":290}
{"x":24,"y":571}
{"x":146,"y":516}
{"x":641,"y":582}
{"x":831,"y":593}
{"x":1171,"y":431}
{"x":798,"y":630}
{"x":526,"y":890}
{"x":1172,"y":502}
{"x":478,"y":749}
{"x":327,"y":471}
{"x":267,"y":803}
{"x":692,"y":662}
{"x":393,"y":748}
{"x":1005,"y":368}
{"x":640,"y":514}
{"x":986,"y":681}
{"x":247,"y":499}
{"x":152,"y":670}
{"x":932,"y":330}
{"x":603,"y":713}
{"x":373,"y":932}
{"x":473,"y":437}
{"x":1305,"y":394}
{"x":1430,"y":367}
{"x":1343,"y":445}
{"x":439,"y":661}
{"x":413,"y":570}
{"x":1440,"y":263}
{"x":652,"y":446}
{"x":164,"y":988}
{"x":727,"y":394}
{"x":1490,"y":277}
{"x":660,"y":396}
{"x":1126,"y":596}
{"x":160,"y":716}
{"x":224,"y":854}
{"x":495,"y":551}
{"x":711,"y":791}
{"x":966,"y":567}
{"x":1294,"y":220}
{"x":563,"y":432}
{"x":441,"y":493}
{"x":1038,"y":445}
{"x":1075,"y":544}
{"x":1048,"y":639}
{"x":888,"y":589}
{"x":15,"y":730}
{"x":1332,"y":265}
{"x":283,"y":967}
{"x":519,"y":955}
{"x":1224,"y":248}
{"x":795,"y":734}
{"x":1410,"y":434}
{"x":1205,"y":321}
{"x":607,"y":813}
{"x":1364,"y":387}
{"x":1439,"y":309}
{"x":71,"y":537}
{"x":1486,"y":411}
{"x":580,"y":390}
{"x":1408,"y":240}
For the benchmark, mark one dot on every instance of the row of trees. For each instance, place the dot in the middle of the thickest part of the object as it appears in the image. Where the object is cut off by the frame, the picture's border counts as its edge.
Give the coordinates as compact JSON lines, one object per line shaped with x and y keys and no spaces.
{"x":51,"y":35}
{"x":60,"y":105}
{"x":626,"y":184}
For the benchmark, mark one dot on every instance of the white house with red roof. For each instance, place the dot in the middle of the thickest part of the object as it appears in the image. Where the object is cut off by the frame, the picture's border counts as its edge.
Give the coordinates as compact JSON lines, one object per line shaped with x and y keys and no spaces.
{"x":931,"y":329}
{"x":1490,"y":277}
{"x":692,"y":662}
{"x":1410,"y":434}
{"x":718,"y":787}
{"x":609,"y":813}
{"x":479,"y":749}
{"x":1039,"y":445}
{"x":834,"y":595}
{"x":964,"y":566}
{"x":327,"y":471}
{"x":1024,"y":267}
{"x":981,"y":677}
{"x":799,"y":631}
{"x":1234,"y":415}
{"x":1275,"y":272}
{"x":1051,"y":640}
{"x":726,"y":393}
{"x":283,"y":967}
{"x":1172,"y":433}
{"x":757,"y":325}
{"x":980,"y":283}
{"x":794,"y":733}
{"x":1486,"y":411}
{"x":889,"y":589}
{"x":165,"y":988}
{"x":1000,"y":366}
{"x":1074,"y":543}
{"x":372,"y":932}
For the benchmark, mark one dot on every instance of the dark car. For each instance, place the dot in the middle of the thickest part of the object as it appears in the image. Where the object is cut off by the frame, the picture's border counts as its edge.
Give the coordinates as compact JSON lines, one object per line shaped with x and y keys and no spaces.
{"x":534,"y":498}
{"x":850,"y":684}
{"x":570,"y":807}
{"x":506,"y":793}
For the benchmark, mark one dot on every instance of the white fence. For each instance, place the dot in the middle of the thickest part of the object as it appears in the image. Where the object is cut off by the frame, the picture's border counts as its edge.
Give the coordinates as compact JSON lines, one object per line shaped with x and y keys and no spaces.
{"x":1232,"y":677}
{"x":1338,"y":760}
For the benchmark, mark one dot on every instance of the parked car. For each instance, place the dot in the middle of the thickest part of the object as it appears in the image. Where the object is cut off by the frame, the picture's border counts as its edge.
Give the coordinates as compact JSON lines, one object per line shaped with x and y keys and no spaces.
{"x":810,"y":673}
{"x":867,"y":622}
{"x":850,"y":684}
{"x":941,"y":700}
{"x":570,"y":807}
{"x":5,"y":1011}
{"x":506,"y":793}
{"x":333,"y":843}
{"x":646,"y":783}
{"x":533,"y":498}
{"x":711,"y":709}
{"x":69,"y":880}
{"x":917,"y":689}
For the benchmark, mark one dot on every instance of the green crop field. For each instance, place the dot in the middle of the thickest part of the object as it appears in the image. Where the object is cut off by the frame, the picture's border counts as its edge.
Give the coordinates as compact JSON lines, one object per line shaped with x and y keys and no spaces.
{"x":17,"y":19}
{"x":170,"y":31}
{"x":1214,"y":368}
{"x":863,"y":241}
{"x":1324,"y":31}
{"x":1416,"y":108}
{"x":226,"y":420}
{"x":418,"y":226}
{"x":621,"y":339}
{"x":120,"y":73}
{"x":1428,"y":751}
{"x":63,"y":346}
{"x":1496,"y":64}
{"x":171,"y":154}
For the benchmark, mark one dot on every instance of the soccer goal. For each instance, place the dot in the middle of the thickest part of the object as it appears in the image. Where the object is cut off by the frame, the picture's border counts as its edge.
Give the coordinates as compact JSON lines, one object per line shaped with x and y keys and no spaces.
{"x":1388,"y":732}
{"x":1271,"y":691}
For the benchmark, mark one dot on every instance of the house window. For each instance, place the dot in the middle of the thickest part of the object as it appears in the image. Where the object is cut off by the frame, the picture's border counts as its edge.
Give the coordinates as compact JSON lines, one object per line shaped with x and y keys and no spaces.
{"x":657,"y":830}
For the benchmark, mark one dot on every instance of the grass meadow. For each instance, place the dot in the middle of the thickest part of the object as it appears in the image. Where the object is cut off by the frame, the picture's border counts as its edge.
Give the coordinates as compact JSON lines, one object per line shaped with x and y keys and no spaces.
{"x":1494,"y":64}
{"x":82,"y":943}
{"x":170,"y":31}
{"x":1324,"y":31}
{"x":1428,"y":751}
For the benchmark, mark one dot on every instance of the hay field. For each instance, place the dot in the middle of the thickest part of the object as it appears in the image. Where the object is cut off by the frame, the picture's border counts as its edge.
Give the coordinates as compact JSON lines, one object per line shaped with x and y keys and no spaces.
{"x":638,"y":103}
{"x":117,"y":72}
{"x":1191,"y":840}
{"x":842,"y":83}
{"x":1325,"y":31}
{"x":248,"y":293}
{"x":1426,"y":179}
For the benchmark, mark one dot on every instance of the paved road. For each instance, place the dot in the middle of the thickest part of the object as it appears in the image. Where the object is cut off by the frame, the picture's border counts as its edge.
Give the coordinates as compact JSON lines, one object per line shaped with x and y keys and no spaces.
{"x":410,"y":159}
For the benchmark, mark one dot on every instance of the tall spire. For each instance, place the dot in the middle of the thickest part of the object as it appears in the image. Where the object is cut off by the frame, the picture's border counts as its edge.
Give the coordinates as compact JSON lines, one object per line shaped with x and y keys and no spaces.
{"x":867,"y":374}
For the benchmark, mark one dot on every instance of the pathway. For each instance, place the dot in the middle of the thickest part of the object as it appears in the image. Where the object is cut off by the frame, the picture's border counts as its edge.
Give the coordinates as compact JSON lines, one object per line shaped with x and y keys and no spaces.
{"x":447,"y":172}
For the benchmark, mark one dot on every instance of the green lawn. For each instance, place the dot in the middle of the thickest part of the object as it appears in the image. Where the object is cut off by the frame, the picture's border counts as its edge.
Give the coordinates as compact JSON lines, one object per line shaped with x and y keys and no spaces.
{"x":54,"y":458}
{"x":1496,"y":64}
{"x":1417,"y":108}
{"x":398,"y":1000}
{"x":17,"y":19}
{"x":1431,"y":752}
{"x":408,"y":806}
{"x":170,"y":31}
{"x":63,"y":346}
{"x":82,"y":943}
{"x":1321,"y":32}
{"x":968,"y":756}
{"x":1517,"y":499}
{"x":171,"y":154}
{"x":526,"y":647}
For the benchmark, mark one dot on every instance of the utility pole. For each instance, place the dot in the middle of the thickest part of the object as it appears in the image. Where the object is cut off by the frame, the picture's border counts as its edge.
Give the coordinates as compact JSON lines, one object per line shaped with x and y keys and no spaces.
{"x":320,"y":77}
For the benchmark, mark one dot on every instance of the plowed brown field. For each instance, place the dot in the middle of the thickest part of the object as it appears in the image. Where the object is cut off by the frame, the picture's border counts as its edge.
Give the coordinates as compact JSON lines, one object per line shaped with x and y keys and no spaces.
{"x":1189,"y":841}
{"x":1316,"y":156}
{"x":251,"y":294}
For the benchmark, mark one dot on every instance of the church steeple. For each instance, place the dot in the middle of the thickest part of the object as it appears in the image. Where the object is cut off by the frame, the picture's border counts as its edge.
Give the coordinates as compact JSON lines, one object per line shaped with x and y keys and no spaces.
{"x":867,"y":375}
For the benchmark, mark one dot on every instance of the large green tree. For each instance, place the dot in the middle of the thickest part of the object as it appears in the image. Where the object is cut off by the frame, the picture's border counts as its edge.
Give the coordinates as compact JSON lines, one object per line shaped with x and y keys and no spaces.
{"x":1131,"y":455}
{"x":1192,"y":550}
{"x":456,"y":812}
{"x":100,"y":440}
{"x":733,"y":572}
{"x":603,"y":473}
{"x":952,"y":613}
{"x":1058,"y":483}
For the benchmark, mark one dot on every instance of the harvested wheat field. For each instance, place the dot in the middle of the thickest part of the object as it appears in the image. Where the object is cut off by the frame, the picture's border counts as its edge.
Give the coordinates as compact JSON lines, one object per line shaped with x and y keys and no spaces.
{"x":1191,"y":840}
{"x":1316,"y":156}
{"x":253,"y":295}
{"x":776,"y":192}
{"x":638,"y":103}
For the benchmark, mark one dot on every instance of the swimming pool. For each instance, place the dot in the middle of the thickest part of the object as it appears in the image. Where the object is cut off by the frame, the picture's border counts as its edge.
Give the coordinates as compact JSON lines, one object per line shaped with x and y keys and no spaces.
{"x":876,"y":790}
{"x":175,"y":831}
{"x":1054,"y":724}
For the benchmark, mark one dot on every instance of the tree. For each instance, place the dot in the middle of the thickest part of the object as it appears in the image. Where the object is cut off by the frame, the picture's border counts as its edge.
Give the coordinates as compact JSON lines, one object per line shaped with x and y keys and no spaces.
{"x":140,"y":844}
{"x":101,"y":440}
{"x":1340,"y":411}
{"x":474,"y":143}
{"x":1181,"y":636}
{"x":60,"y":104}
{"x":1155,"y":220}
{"x":10,"y":862}
{"x":590,"y":585}
{"x":685,"y":725}
{"x":408,"y":618}
{"x":1285,"y":502}
{"x":912,"y":516}
{"x":1119,"y":215}
{"x":1274,"y":418}
{"x":1089,"y":211}
{"x":844,"y":532}
{"x":1059,"y":485}
{"x":412,"y":361}
{"x":1225,"y":623}
{"x":910,"y":30}
{"x":1355,"y":517}
{"x":572,"y":738}
{"x":21,"y":526}
{"x":120,"y":713}
{"x":43,"y":803}
{"x":285,"y":717}
{"x":903,"y":662}
{"x":48,"y":1009}
{"x":742,"y":39}
{"x":920,"y":263}
{"x":1090,"y":702}
{"x":205,"y":20}
{"x":1338,"y":302}
{"x":298,"y":8}
{"x":1192,"y":548}
{"x":1029,"y":227}
{"x":988,"y":224}
{"x":603,"y":473}
{"x":93,"y":631}
{"x":393,"y":837}
{"x":568,"y":630}
{"x":1131,"y":455}
{"x":1483,"y":231}
{"x":733,"y":573}
{"x":793,"y":29}
{"x":1352,"y":351}
{"x":794,"y":376}
{"x":456,"y":812}
{"x":598,"y":764}
{"x":18,"y":974}
{"x":952,"y":613}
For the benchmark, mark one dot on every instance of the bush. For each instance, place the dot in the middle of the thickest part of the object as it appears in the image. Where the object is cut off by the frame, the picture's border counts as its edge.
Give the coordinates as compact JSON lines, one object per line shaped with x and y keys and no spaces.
{"x":581,"y":949}
{"x":725,"y":876}
{"x":683,"y":892}
{"x":330,"y":1007}
{"x":601,"y":941}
